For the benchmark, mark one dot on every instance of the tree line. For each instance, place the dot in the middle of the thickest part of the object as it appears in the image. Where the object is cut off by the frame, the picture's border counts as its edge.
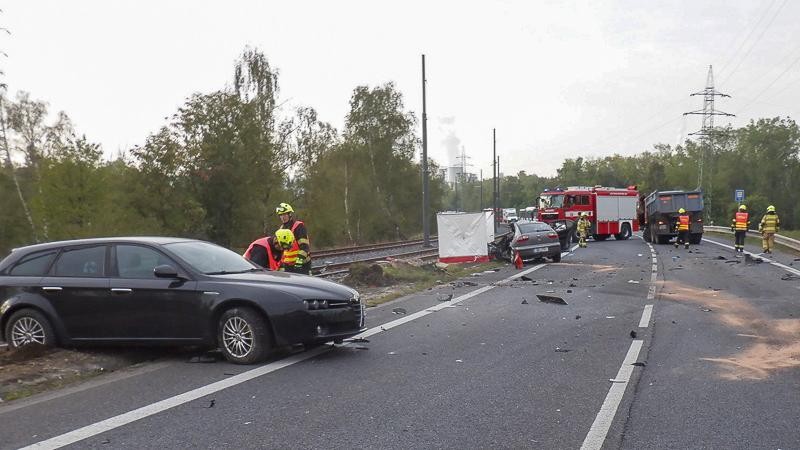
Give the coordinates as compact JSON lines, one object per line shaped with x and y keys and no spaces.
{"x":222,"y":162}
{"x":217,"y":169}
{"x":763,"y":158}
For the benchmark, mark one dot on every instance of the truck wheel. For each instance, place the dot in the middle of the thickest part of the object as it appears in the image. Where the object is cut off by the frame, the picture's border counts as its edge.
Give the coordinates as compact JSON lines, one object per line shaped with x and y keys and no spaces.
{"x":695,"y":238}
{"x":600,"y":237}
{"x":624,"y":234}
{"x":662,"y":240}
{"x":646,"y":235}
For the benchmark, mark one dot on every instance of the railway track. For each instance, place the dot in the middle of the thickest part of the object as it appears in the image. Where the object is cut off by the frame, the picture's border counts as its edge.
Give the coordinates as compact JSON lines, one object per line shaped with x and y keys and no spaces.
{"x":367,"y":248}
{"x":333,"y":269}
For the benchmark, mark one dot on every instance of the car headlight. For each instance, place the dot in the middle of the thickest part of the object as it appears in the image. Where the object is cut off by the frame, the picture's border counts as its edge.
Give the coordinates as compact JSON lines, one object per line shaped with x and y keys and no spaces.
{"x":316,"y":304}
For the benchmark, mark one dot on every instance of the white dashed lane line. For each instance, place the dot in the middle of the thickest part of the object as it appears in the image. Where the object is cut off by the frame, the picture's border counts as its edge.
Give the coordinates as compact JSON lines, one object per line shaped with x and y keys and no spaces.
{"x":602,"y":423}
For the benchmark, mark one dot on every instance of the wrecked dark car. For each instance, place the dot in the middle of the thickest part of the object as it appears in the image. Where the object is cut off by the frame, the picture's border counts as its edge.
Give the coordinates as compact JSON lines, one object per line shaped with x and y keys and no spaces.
{"x":166,"y":291}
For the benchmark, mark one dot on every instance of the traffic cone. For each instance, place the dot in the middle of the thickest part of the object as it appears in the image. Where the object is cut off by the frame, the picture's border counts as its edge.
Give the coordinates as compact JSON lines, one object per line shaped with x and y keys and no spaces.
{"x":518,"y":261}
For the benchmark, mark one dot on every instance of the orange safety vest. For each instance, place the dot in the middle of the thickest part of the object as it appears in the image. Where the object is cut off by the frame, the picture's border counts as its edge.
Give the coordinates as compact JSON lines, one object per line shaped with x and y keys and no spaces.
{"x":741,"y":221}
{"x":264,"y":242}
{"x":683,"y":223}
{"x":290,"y":256}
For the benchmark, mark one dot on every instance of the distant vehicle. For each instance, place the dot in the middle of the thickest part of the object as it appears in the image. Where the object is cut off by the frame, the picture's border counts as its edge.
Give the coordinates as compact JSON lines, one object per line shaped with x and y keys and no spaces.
{"x":157,"y":290}
{"x":510,"y":215}
{"x":659,"y":212}
{"x":534,"y":241}
{"x":612,"y":211}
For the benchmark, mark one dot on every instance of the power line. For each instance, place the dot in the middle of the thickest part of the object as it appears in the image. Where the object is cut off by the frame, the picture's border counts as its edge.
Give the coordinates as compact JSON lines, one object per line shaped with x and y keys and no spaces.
{"x":777,"y":11}
{"x":771,"y":84}
{"x":741,"y":45}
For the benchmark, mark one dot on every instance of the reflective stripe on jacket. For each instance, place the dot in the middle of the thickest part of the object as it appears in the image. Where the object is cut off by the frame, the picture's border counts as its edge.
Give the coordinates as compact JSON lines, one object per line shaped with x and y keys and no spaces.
{"x":264,"y":242}
{"x":741,"y":221}
{"x":584,"y":225}
{"x":290,"y":256}
{"x":683,"y":222}
{"x":770,"y":223}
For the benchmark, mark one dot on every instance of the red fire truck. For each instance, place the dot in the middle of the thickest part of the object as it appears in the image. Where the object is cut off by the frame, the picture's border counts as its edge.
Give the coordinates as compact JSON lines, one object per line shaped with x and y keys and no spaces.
{"x":612,"y":211}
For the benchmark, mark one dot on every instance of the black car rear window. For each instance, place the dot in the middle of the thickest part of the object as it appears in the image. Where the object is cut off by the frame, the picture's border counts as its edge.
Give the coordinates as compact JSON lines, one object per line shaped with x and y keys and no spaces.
{"x":534,"y":227}
{"x":33,"y":265}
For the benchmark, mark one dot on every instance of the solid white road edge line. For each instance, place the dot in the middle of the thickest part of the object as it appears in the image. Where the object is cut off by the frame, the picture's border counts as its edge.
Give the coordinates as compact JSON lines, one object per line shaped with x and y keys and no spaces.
{"x":648,"y":310}
{"x":602,"y":423}
{"x":171,"y":402}
{"x":767,"y":260}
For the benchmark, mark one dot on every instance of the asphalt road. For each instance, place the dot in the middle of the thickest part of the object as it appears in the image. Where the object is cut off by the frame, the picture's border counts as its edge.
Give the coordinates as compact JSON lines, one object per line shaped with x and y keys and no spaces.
{"x":716,"y":367}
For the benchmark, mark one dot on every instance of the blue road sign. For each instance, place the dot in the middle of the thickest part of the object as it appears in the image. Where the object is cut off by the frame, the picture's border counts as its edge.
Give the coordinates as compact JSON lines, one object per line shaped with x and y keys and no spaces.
{"x":738,"y":195}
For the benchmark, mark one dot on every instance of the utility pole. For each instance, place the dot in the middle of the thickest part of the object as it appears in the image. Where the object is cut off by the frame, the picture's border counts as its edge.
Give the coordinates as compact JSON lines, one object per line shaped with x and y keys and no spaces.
{"x":426,"y":230}
{"x":706,"y":132}
{"x":463,"y":157}
{"x":494,"y":178}
{"x":481,"y":181}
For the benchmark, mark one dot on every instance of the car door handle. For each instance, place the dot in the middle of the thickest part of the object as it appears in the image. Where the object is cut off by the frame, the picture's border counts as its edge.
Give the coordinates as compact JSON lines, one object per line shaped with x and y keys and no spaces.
{"x":51,"y":289}
{"x":121,"y":290}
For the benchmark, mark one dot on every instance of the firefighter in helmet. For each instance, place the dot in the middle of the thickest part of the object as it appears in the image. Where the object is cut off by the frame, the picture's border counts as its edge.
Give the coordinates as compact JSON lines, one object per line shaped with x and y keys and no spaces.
{"x":267,"y":252}
{"x":739,"y":226}
{"x":298,"y":257}
{"x":682,"y":227}
{"x":583,"y":226}
{"x":770,"y":224}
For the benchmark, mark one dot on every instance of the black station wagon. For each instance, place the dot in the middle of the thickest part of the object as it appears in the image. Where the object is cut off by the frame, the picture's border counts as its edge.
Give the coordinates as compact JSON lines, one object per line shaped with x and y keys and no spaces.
{"x":159,"y":290}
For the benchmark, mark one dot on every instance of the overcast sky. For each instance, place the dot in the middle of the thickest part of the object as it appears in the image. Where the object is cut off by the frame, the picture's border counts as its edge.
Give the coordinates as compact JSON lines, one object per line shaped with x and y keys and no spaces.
{"x":557,"y":79}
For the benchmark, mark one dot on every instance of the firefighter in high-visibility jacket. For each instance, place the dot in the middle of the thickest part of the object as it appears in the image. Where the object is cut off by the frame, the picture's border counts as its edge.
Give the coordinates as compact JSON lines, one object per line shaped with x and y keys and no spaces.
{"x":770,"y":224}
{"x":297,"y":258}
{"x":267,"y":252}
{"x":739,"y":226}
{"x":583,"y":226}
{"x":682,"y":227}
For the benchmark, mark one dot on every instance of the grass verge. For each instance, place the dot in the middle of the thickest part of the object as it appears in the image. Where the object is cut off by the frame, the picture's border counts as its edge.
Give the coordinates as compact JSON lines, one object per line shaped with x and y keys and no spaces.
{"x":408,"y":278}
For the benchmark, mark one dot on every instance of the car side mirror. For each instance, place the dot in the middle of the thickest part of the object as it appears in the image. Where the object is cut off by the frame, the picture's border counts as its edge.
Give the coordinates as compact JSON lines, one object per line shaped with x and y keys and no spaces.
{"x":165,"y":271}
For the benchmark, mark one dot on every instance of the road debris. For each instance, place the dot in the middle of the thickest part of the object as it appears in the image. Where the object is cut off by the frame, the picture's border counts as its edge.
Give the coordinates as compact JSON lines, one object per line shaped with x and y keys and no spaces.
{"x":524,"y":302}
{"x":562,"y":350}
{"x":614,"y":380}
{"x":639,"y":364}
{"x":357,"y":340}
{"x":400,"y":311}
{"x":569,"y":291}
{"x":705,"y":309}
{"x":789,"y":277}
{"x":459,"y":361}
{"x":207,"y":358}
{"x":445,"y":297}
{"x":578,"y":317}
{"x":721,"y":258}
{"x":551,"y":299}
{"x":211,"y":403}
{"x":633,"y":334}
{"x":633,"y":282}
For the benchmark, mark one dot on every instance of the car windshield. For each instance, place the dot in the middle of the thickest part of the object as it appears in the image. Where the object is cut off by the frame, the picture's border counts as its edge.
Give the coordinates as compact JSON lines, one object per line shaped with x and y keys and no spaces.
{"x":551,"y":201}
{"x":211,"y":259}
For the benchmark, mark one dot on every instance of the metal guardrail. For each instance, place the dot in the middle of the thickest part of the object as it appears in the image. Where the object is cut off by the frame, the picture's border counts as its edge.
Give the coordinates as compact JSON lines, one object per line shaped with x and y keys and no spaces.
{"x":793,"y":244}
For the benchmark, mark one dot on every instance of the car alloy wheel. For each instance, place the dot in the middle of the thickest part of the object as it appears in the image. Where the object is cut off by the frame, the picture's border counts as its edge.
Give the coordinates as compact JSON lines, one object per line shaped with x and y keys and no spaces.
{"x":237,"y":337}
{"x":27,"y":331}
{"x":28,"y":326}
{"x":244,"y":336}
